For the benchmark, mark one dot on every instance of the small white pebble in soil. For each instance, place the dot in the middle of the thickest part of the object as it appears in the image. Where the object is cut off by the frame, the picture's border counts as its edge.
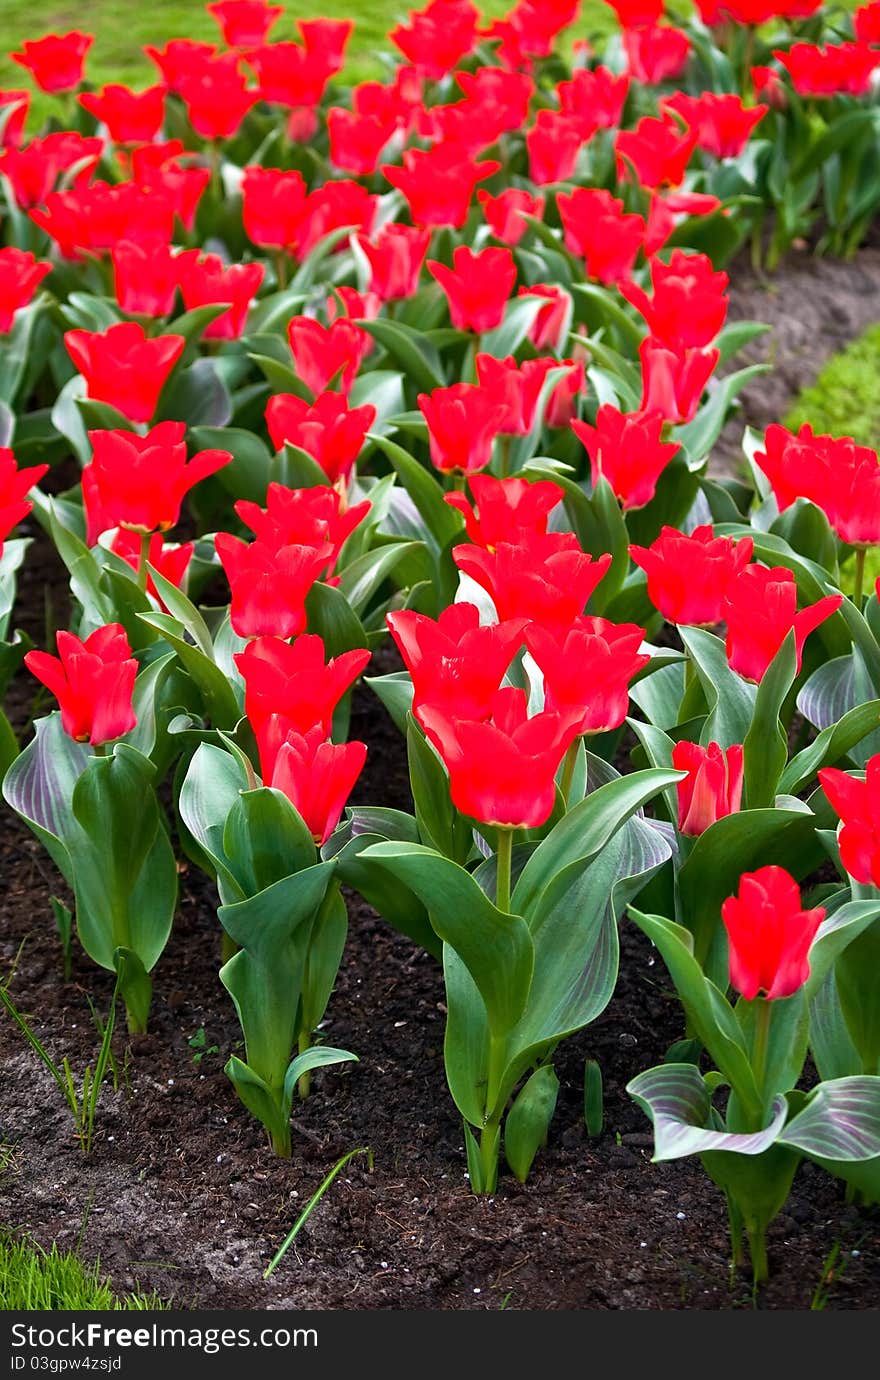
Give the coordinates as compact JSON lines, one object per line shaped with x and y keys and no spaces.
{"x":680,"y":1216}
{"x":111,"y":1137}
{"x":384,"y":1264}
{"x":643,"y":1243}
{"x":476,"y":1291}
{"x":170,"y":1081}
{"x":855,"y":1252}
{"x":219,"y":1158}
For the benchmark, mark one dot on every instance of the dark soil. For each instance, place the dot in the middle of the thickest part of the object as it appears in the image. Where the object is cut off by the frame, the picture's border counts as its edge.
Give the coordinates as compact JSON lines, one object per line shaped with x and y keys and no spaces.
{"x":180,"y":1193}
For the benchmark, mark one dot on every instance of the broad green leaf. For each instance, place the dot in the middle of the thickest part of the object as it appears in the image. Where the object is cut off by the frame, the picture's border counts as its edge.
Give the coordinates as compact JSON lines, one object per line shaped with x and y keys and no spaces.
{"x":417,"y":358}
{"x":221,"y":705}
{"x":528,"y":1120}
{"x":265,"y":839}
{"x":840,"y":1121}
{"x":731,"y":699}
{"x":765,"y":746}
{"x":520,"y":314}
{"x":330,"y":615}
{"x":679,"y":1104}
{"x":317,"y":1057}
{"x":442,"y":522}
{"x":395,"y":690}
{"x":40,"y":783}
{"x":213,"y":784}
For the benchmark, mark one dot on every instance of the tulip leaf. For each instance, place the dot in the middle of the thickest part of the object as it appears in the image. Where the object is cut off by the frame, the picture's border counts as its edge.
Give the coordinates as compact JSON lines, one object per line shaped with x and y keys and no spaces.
{"x":699,"y":436}
{"x":443,"y":523}
{"x":265,"y":839}
{"x":85,"y":573}
{"x":417,"y":358}
{"x":395,"y":690}
{"x":250,"y":470}
{"x":520,"y":314}
{"x":39,"y":786}
{"x":840,"y":1121}
{"x":196,"y":395}
{"x":326,"y":948}
{"x":316,"y":1057}
{"x":856,"y":971}
{"x":678,"y":1101}
{"x":831,"y":745}
{"x":213,"y":783}
{"x":731,"y":700}
{"x":765,"y":746}
{"x":360,"y":580}
{"x":221,"y":705}
{"x":397,"y":904}
{"x":440,"y":825}
{"x":837,"y":931}
{"x":330,"y":615}
{"x":528,"y":1120}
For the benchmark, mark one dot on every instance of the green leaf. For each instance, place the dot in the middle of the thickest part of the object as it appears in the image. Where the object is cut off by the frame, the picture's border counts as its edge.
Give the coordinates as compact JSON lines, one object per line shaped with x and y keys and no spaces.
{"x":395,"y":690}
{"x":856,"y":971}
{"x":360,"y":580}
{"x":221,"y":705}
{"x":832,"y":744}
{"x":679,"y":1104}
{"x":840,"y":1121}
{"x":837,"y":932}
{"x":765,"y":746}
{"x":442,"y":522}
{"x":699,"y":436}
{"x":213,"y":783}
{"x":528,"y":1120}
{"x":438,"y":821}
{"x":39,"y":786}
{"x":520,"y":315}
{"x":330,"y":615}
{"x":316,"y":1057}
{"x":248,"y":474}
{"x":417,"y":358}
{"x":326,"y":947}
{"x":265,"y":839}
{"x":731,"y":699}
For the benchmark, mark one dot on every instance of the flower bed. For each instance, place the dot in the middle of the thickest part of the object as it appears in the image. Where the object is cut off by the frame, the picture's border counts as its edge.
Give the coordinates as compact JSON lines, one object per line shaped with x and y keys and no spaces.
{"x":453,"y":370}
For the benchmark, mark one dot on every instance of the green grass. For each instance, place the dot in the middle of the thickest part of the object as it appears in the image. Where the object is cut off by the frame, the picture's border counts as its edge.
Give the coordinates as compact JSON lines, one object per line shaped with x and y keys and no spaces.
{"x":33,"y":1280}
{"x":845,"y":398}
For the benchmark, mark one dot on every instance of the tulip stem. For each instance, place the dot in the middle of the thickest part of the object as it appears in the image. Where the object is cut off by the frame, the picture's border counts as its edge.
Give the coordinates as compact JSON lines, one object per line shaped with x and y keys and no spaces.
{"x":859,"y":585}
{"x":569,"y":765}
{"x":759,"y":1053}
{"x":143,"y":560}
{"x":279,"y":259}
{"x":502,"y":885}
{"x":757,"y":1235}
{"x":304,"y":1082}
{"x":505,"y":443}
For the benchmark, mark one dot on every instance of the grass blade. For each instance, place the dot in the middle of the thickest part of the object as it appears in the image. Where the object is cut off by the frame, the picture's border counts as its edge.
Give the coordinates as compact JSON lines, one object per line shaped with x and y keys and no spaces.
{"x":312,"y":1204}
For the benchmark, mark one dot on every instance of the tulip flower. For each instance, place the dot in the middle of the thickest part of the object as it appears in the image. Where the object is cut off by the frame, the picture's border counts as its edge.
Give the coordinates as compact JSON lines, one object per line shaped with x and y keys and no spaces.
{"x":656,"y":150}
{"x":504,"y":213}
{"x":12,"y":135}
{"x":626,"y":448}
{"x":657,"y":53}
{"x":145,"y":279}
{"x":769,"y":934}
{"x":856,"y":802}
{"x":562,"y":403}
{"x":463,"y":421}
{"x":93,"y":682}
{"x":477,"y":287}
{"x":598,"y":230}
{"x":837,"y":68}
{"x":502,"y":770}
{"x":155,"y":168}
{"x":588,"y":670}
{"x":317,"y":777}
{"x":515,"y":387}
{"x":866,"y":23}
{"x":326,"y":40}
{"x":33,"y":171}
{"x":140,"y":482}
{"x":337,"y":205}
{"x":550,"y":328}
{"x":506,"y":509}
{"x":123,"y":367}
{"x":329,"y":430}
{"x":182,"y":57}
{"x":723,"y":124}
{"x":15,"y":484}
{"x":171,"y":559}
{"x":357,"y":142}
{"x":295,"y":683}
{"x":594,"y":97}
{"x":395,"y":255}
{"x":20,"y":276}
{"x":289,"y":75}
{"x":839,"y":476}
{"x":131,"y":117}
{"x":455,"y":663}
{"x":303,"y":517}
{"x":56,"y":61}
{"x":637,"y":14}
{"x":713,"y":785}
{"x":207,"y":280}
{"x":272,"y":205}
{"x":327,"y":356}
{"x":760,"y":609}
{"x":499,"y":99}
{"x":216,"y":97}
{"x":553,"y":143}
{"x":438,"y":183}
{"x":437,"y":38}
{"x":688,"y":307}
{"x":545,"y":579}
{"x":95,"y":218}
{"x":244,"y":23}
{"x":674,"y":379}
{"x":689,"y":575}
{"x":668,"y":211}
{"x":269,"y":584}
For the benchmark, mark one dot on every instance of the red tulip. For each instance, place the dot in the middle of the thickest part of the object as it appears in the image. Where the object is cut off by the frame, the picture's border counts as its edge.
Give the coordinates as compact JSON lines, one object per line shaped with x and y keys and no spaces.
{"x":840,"y":477}
{"x":15,"y":484}
{"x":504,"y":213}
{"x":674,"y":380}
{"x":269,"y":584}
{"x":656,"y":150}
{"x":328,"y":430}
{"x":317,"y":777}
{"x":289,"y":74}
{"x":438,"y":183}
{"x":828,"y":71}
{"x":713,"y":785}
{"x":327,"y":356}
{"x":131,"y":117}
{"x":769,"y":935}
{"x":303,"y":517}
{"x":272,"y":205}
{"x":455,"y":663}
{"x":667,"y":212}
{"x":550,"y":328}
{"x":535,"y":26}
{"x":595,"y":98}
{"x":182,"y":58}
{"x":170,"y":559}
{"x":123,"y":367}
{"x":395,"y":256}
{"x":244,"y":22}
{"x":626,"y":448}
{"x":562,"y":404}
{"x":357,"y":142}
{"x":866,"y":23}
{"x":145,"y":279}
{"x":14,"y":119}
{"x":545,"y":579}
{"x":141,"y":481}
{"x":769,"y":86}
{"x":514,"y":387}
{"x":34,"y":170}
{"x":326,"y":39}
{"x":20,"y":276}
{"x":216,"y":97}
{"x":499,"y":100}
{"x":553,"y":142}
{"x":856,"y":802}
{"x":97,"y":217}
{"x":688,"y":307}
{"x":599,"y":230}
{"x":56,"y":61}
{"x":157,"y":168}
{"x":714,"y":12}
{"x":656,"y":54}
{"x":588,"y":670}
{"x":637,"y":14}
{"x":438,"y":37}
{"x":506,"y":509}
{"x":477,"y":288}
{"x":295,"y":682}
{"x":723,"y":124}
{"x":346,"y":303}
{"x":208,"y":280}
{"x":760,"y":609}
{"x":463,"y":421}
{"x":502,"y":770}
{"x":689,"y":576}
{"x":93,"y":682}
{"x":336,"y":205}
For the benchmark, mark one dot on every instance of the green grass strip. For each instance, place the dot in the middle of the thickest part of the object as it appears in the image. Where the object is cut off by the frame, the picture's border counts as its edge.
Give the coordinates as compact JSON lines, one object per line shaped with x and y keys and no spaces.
{"x":34,"y":1280}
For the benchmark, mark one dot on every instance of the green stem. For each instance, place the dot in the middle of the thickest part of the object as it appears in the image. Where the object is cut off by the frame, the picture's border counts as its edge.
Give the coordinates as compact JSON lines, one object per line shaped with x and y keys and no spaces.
{"x":143,"y":560}
{"x":490,"y":1142}
{"x":757,"y":1235}
{"x":859,"y":585}
{"x":759,"y":1056}
{"x":280,"y":1142}
{"x":100,"y":750}
{"x":279,"y":258}
{"x":304,"y":1083}
{"x":505,"y":443}
{"x":734,"y":1217}
{"x":571,"y":757}
{"x":503,"y":858}
{"x":459,"y":481}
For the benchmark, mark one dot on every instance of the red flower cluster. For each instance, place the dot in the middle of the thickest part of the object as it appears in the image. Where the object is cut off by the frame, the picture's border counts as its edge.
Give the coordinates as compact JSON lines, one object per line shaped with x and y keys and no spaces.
{"x":840,"y":477}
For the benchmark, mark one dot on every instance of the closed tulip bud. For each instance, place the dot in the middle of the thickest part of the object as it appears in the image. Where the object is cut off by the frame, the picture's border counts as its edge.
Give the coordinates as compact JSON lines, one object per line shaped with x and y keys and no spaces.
{"x":769,"y":935}
{"x":93,"y":682}
{"x":674,"y":379}
{"x":713,"y":785}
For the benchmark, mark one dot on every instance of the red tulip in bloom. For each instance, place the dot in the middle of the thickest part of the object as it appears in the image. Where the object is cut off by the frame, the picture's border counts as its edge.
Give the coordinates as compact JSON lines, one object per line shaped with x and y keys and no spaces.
{"x":599,"y":230}
{"x":20,"y":276}
{"x":656,"y":150}
{"x":303,"y":517}
{"x":56,"y":61}
{"x":15,"y":484}
{"x":769,"y":86}
{"x":329,"y":430}
{"x":327,"y":356}
{"x":269,"y":584}
{"x":140,"y":481}
{"x":336,"y":205}
{"x":244,"y":23}
{"x":289,"y":75}
{"x":837,"y":68}
{"x":357,"y":142}
{"x":594,"y":98}
{"x":499,"y":99}
{"x":131,"y":117}
{"x":502,"y":770}
{"x":438,"y":37}
{"x":626,"y":448}
{"x":123,"y":367}
{"x":667,"y":211}
{"x":216,"y":97}
{"x":656,"y":54}
{"x":97,"y":217}
{"x":463,"y":421}
{"x":34,"y":170}
{"x":515,"y":387}
{"x":294,"y":682}
{"x":504,"y":213}
{"x":93,"y":682}
{"x":272,"y":205}
{"x":346,"y":303}
{"x":535,"y":26}
{"x":550,"y":328}
{"x":689,"y":576}
{"x":438,"y":183}
{"x":866,"y":22}
{"x":553,"y":142}
{"x":545,"y":579}
{"x":588,"y":670}
{"x":325,"y":40}
{"x":145,"y":279}
{"x":170,"y":559}
{"x":182,"y":57}
{"x":456,"y":664}
{"x":688,"y":307}
{"x":12,"y":134}
{"x":714,"y":12}
{"x":317,"y":777}
{"x":506,"y":509}
{"x":638,"y":14}
{"x":840,"y":477}
{"x":207,"y":280}
{"x":562,"y":404}
{"x":395,"y":256}
{"x":857,"y":804}
{"x":713,"y":785}
{"x":760,"y":610}
{"x":769,"y":935}
{"x":158,"y":168}
{"x":674,"y":380}
{"x":723,"y":124}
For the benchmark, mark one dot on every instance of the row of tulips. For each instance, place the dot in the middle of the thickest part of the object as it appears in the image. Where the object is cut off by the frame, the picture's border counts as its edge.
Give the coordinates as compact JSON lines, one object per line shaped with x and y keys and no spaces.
{"x":484,"y":430}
